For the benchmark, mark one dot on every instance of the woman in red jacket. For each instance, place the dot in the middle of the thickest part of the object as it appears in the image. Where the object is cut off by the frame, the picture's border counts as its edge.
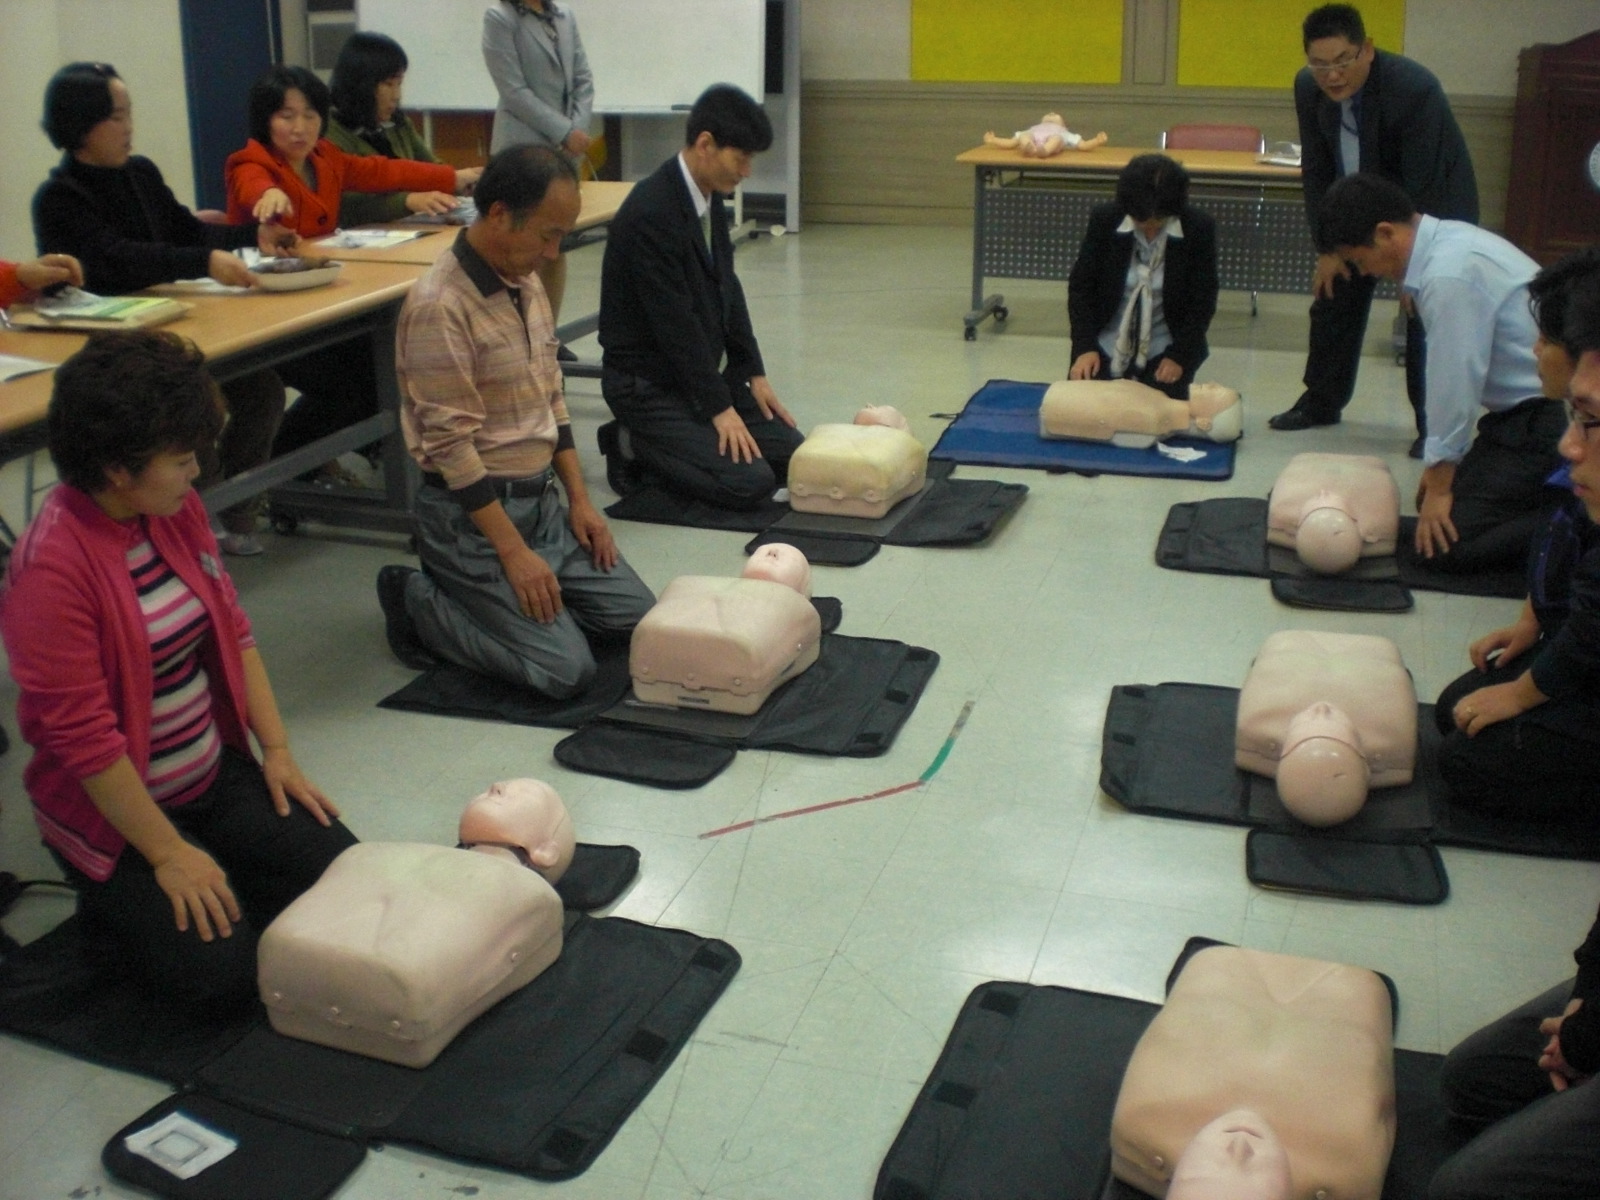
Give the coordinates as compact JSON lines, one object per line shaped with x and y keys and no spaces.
{"x":289,"y":172}
{"x":140,"y":686}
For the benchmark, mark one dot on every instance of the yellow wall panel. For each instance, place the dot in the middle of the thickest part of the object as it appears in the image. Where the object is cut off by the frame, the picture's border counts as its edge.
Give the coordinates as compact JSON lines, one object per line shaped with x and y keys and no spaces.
{"x":1256,"y":43}
{"x":1017,"y":41}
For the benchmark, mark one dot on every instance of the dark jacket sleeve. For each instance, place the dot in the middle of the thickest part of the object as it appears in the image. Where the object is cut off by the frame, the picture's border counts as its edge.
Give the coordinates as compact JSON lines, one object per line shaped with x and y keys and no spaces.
{"x":1319,"y":161}
{"x":1422,"y":147}
{"x":744,"y":353}
{"x":1568,"y":665}
{"x":1189,"y":294}
{"x":375,"y":208}
{"x":1580,"y":1033}
{"x":70,"y":219}
{"x":1098,"y":278}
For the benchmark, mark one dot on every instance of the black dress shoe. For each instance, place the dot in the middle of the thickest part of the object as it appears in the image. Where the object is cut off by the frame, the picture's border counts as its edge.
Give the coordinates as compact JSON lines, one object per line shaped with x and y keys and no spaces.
{"x":397,"y":624}
{"x":565,"y":355}
{"x":1416,"y":446}
{"x":1296,"y":418}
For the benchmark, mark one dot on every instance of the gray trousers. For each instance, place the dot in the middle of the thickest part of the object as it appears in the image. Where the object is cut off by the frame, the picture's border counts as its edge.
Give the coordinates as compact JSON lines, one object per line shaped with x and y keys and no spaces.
{"x":1542,"y":1144}
{"x":466,"y":612}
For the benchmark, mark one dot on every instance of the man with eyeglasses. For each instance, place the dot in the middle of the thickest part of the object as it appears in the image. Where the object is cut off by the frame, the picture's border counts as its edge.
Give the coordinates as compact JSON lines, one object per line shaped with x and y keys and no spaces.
{"x":1365,"y":109}
{"x":1529,"y":733}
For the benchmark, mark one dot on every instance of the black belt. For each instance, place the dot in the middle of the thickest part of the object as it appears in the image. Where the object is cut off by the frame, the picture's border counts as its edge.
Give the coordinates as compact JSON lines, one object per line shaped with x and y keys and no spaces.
{"x":528,"y":488}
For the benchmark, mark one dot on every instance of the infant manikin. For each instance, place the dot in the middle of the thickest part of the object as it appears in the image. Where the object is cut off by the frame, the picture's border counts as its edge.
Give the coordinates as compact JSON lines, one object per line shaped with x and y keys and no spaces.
{"x":1128,"y":413}
{"x":524,"y":821}
{"x":1264,"y":1077}
{"x":858,"y":470}
{"x":1334,"y":509}
{"x":1049,"y":137}
{"x":1329,"y":716}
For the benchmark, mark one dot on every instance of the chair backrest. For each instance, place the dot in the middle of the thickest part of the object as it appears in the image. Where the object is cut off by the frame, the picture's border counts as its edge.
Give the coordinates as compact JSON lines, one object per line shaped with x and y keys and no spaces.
{"x":1213,"y":137}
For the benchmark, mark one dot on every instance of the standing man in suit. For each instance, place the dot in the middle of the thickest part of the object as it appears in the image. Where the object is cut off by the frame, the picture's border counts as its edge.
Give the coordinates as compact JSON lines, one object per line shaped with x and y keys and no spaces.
{"x":682,"y":371}
{"x":1144,"y":287}
{"x":1364,"y":109}
{"x":536,"y":60}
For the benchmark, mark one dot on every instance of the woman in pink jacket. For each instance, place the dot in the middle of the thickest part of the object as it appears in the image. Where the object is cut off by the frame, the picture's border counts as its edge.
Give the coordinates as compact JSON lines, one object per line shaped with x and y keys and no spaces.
{"x":141,"y":686}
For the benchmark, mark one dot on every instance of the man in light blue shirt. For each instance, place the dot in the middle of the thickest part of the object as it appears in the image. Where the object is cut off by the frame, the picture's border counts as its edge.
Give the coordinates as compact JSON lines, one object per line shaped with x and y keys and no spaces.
{"x":1480,"y":498}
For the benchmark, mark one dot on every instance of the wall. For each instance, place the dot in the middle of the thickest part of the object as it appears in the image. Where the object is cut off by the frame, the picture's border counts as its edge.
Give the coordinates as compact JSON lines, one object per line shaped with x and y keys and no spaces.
{"x":141,"y":38}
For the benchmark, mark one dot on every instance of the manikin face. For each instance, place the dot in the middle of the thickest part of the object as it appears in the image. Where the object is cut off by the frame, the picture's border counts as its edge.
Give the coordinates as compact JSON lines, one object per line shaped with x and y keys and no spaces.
{"x":1236,"y":1157}
{"x":525,"y":815}
{"x":1327,"y":539}
{"x":1322,"y":774}
{"x":157,"y":491}
{"x":1580,"y":446}
{"x":1339,"y":66}
{"x":109,"y":143}
{"x":717,"y":168}
{"x":779,"y":562}
{"x":1555,"y":367}
{"x":295,"y":127}
{"x":386,"y":102}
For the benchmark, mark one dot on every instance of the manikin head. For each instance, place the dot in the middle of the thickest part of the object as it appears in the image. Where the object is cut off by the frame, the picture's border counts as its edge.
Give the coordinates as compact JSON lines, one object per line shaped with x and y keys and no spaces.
{"x":1236,"y":1157}
{"x":523,"y":820}
{"x":883,"y":414}
{"x":779,"y":562}
{"x":1323,"y":773}
{"x":1215,"y":412}
{"x":1327,"y":539}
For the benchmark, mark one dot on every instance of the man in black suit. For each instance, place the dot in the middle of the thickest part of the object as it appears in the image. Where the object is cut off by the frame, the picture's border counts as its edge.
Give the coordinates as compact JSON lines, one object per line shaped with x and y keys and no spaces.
{"x":1144,"y":287}
{"x":1364,"y":109}
{"x":682,"y":372}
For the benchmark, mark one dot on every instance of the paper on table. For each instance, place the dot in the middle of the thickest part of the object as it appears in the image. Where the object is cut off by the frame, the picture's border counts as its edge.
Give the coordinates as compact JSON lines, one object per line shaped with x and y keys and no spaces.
{"x":13,"y":366}
{"x":367,"y":239}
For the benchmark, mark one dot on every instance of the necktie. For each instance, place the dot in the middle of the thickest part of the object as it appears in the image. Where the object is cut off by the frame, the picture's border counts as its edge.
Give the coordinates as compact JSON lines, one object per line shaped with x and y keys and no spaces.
{"x":705,"y":228}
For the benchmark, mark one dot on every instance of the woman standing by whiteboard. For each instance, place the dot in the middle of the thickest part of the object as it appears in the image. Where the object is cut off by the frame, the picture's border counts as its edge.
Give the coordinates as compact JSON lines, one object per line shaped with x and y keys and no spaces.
{"x":536,"y":60}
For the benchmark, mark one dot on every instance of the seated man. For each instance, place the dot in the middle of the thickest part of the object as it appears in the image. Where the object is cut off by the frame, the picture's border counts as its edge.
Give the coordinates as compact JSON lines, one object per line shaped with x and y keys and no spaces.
{"x":515,"y":582}
{"x":1481,"y":498}
{"x":1334,"y":509}
{"x":1295,"y":1055}
{"x":1327,"y":715}
{"x":682,"y":370}
{"x":1044,"y":140}
{"x":1128,"y":413}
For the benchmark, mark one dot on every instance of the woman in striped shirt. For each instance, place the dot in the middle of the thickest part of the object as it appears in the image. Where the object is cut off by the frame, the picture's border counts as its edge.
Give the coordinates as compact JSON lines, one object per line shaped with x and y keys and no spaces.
{"x":141,"y":684}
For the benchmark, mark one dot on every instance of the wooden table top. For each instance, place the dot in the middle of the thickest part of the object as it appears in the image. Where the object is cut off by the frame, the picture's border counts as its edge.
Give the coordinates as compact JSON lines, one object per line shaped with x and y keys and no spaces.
{"x":601,"y":200}
{"x":1111,"y":159}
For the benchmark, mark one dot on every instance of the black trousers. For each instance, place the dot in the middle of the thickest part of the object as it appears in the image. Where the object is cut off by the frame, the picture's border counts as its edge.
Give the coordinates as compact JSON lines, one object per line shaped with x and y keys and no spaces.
{"x":1338,"y":329}
{"x":1528,"y":768}
{"x":680,"y":448}
{"x":337,"y":387}
{"x":1538,"y":1144}
{"x":269,"y":861}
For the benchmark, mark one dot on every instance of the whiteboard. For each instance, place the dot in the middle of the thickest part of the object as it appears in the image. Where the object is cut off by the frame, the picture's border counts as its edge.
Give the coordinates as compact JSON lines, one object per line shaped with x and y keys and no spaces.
{"x":646,"y":55}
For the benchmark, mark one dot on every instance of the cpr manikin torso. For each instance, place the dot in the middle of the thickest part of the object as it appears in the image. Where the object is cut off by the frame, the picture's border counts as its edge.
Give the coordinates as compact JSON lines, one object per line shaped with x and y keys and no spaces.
{"x":727,"y":644}
{"x":1334,"y":509}
{"x":858,"y":470}
{"x":1328,"y":715}
{"x":1050,"y":136}
{"x":1264,"y":1077}
{"x":1128,"y":413}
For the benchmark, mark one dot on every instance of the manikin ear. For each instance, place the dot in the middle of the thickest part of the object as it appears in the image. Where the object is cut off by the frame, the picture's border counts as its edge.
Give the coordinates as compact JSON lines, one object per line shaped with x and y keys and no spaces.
{"x":544,"y":855}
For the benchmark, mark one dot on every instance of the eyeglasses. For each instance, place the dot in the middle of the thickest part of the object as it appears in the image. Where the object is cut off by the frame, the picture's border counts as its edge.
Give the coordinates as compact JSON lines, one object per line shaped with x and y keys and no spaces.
{"x":1341,"y":64}
{"x":1586,"y":422}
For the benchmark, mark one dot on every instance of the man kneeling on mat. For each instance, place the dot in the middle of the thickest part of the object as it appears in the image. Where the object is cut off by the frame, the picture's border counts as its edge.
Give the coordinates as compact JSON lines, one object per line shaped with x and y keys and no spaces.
{"x":1523,"y":726}
{"x":1264,"y":1077}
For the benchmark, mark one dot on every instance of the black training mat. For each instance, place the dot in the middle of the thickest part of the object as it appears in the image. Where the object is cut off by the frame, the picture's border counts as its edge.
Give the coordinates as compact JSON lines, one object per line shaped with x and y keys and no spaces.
{"x":452,"y":691}
{"x":1020,"y":1104}
{"x":958,"y":512}
{"x":1229,"y":537}
{"x":597,"y":875}
{"x":821,"y":550}
{"x":538,"y":1084}
{"x":655,"y":505}
{"x":1344,"y":595}
{"x":273,"y":1161}
{"x":1399,"y":872}
{"x":1167,"y":750}
{"x":655,"y":759}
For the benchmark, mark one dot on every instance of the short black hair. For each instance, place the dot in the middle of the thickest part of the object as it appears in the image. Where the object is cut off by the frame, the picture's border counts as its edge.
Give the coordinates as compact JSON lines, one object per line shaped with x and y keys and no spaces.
{"x":519,"y":178}
{"x":1153,"y":185}
{"x":365,"y":61}
{"x":1333,"y":20}
{"x":77,"y":98}
{"x":1581,"y":333}
{"x":1353,"y":208}
{"x":125,"y":398}
{"x":268,"y":91}
{"x":1550,"y":291}
{"x":732,"y":118}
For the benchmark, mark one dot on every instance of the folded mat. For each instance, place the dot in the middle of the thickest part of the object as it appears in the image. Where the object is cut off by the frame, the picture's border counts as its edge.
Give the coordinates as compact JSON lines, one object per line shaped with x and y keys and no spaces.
{"x":452,"y":691}
{"x":1167,"y":751}
{"x":1228,"y":536}
{"x":999,"y":427}
{"x":851,"y":702}
{"x":538,"y":1084}
{"x":1020,"y":1104}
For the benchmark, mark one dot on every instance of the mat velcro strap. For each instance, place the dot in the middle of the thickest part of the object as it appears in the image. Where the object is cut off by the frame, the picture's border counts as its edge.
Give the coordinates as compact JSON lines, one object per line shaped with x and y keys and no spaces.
{"x":1344,"y":595}
{"x":1399,"y":872}
{"x":597,"y":875}
{"x":647,"y":756}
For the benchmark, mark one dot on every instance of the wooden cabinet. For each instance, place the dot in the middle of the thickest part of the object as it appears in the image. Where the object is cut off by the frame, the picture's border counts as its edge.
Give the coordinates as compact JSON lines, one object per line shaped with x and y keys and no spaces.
{"x":1553,"y":201}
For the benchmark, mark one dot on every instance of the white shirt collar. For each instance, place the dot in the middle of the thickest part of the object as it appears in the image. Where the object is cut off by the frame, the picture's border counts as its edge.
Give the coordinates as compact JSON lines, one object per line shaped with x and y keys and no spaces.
{"x":1172,"y":227}
{"x":702,"y":202}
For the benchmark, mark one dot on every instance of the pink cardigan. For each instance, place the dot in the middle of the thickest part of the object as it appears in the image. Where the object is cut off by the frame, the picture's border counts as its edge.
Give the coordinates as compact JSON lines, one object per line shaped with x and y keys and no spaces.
{"x":251,"y":171}
{"x":80,"y":655}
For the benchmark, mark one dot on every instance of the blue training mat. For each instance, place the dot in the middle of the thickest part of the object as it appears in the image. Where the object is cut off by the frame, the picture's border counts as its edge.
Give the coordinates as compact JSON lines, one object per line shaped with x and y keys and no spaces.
{"x":999,"y":427}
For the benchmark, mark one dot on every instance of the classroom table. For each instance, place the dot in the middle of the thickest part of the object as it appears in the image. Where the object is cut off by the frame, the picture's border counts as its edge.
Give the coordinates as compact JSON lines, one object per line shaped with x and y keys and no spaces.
{"x":1029,"y":217}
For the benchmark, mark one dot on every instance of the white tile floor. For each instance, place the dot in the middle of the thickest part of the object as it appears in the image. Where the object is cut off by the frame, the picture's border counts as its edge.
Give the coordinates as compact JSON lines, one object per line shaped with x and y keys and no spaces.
{"x":863,"y":928}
